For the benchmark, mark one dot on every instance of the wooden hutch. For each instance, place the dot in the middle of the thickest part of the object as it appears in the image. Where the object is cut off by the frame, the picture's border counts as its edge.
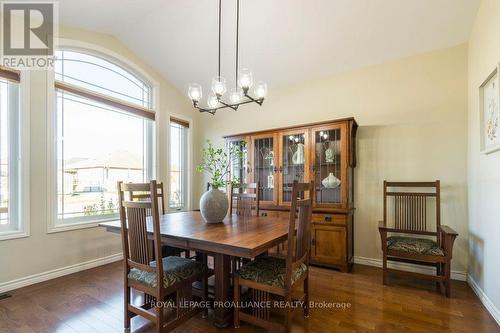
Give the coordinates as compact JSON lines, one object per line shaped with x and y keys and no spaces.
{"x":323,"y":152}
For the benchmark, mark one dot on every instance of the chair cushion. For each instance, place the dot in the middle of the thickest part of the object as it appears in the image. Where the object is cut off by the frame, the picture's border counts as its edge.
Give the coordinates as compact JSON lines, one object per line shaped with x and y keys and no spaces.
{"x":176,"y":270}
{"x":414,"y":245}
{"x":270,"y":271}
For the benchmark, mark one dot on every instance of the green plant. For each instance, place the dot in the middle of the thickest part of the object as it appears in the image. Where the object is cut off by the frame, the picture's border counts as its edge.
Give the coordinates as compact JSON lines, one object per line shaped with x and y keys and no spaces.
{"x":217,"y":163}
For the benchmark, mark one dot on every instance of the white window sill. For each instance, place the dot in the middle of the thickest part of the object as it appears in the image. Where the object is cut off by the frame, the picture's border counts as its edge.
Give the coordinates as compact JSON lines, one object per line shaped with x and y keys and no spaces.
{"x":5,"y":235}
{"x":71,"y":226}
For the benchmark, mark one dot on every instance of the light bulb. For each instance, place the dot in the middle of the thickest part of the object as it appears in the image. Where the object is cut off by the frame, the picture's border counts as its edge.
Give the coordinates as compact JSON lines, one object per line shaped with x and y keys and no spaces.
{"x":219,"y":85}
{"x":245,"y":79}
{"x":296,"y":139}
{"x":325,"y":136}
{"x":195,"y":92}
{"x":235,"y":96}
{"x":291,"y":137}
{"x":212,"y":101}
{"x":260,"y":90}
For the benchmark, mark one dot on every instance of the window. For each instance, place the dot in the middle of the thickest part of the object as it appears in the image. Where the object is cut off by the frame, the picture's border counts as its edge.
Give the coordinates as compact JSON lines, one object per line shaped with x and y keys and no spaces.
{"x":178,"y":164}
{"x":105,"y":134}
{"x":13,"y":207}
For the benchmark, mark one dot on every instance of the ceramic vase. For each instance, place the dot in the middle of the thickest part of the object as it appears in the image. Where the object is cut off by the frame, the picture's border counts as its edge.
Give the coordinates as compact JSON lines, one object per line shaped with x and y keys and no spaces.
{"x":214,"y":206}
{"x":331,"y":181}
{"x":298,"y":156}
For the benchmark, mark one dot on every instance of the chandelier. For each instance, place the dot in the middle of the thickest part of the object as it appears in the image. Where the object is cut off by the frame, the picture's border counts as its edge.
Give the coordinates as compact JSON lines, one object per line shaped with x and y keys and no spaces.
{"x":239,"y":95}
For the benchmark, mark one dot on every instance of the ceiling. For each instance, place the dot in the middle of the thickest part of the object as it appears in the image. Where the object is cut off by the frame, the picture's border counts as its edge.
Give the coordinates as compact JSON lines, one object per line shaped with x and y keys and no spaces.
{"x":281,"y":41}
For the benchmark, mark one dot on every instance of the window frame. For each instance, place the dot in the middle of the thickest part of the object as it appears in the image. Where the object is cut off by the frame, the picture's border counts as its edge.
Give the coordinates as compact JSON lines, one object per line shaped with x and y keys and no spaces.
{"x":94,"y":50}
{"x":189,"y":160}
{"x":23,"y":229}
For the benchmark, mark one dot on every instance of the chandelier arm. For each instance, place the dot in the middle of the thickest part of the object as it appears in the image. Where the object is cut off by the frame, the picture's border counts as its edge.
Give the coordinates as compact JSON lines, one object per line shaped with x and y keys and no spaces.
{"x":220,"y":23}
{"x":237,"y":42}
{"x":258,"y":101}
{"x":232,"y":106}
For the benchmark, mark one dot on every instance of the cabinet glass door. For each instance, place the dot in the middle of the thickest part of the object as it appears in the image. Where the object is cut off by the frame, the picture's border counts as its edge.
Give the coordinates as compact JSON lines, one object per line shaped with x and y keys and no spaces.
{"x":329,"y":161}
{"x":294,"y":162}
{"x":264,"y":166}
{"x":240,"y":166}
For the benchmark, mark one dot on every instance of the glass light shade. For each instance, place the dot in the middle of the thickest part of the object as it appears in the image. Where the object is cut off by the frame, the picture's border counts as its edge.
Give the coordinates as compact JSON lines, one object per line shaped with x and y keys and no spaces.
{"x":219,"y":85}
{"x":235,"y":96}
{"x":245,"y":78}
{"x":325,"y":136}
{"x":290,"y":137}
{"x":296,"y":139}
{"x":260,"y":90}
{"x":195,"y":92}
{"x":212,"y":101}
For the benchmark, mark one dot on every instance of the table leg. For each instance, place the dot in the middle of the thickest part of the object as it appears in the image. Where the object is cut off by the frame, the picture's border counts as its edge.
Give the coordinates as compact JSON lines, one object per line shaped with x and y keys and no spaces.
{"x":223,"y":314}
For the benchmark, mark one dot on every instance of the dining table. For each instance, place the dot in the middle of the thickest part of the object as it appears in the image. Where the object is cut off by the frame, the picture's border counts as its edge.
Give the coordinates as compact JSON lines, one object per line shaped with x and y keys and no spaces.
{"x":237,"y":236}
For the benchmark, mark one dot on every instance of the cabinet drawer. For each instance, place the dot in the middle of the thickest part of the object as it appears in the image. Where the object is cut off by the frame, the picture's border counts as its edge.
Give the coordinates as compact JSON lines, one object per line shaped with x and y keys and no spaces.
{"x":273,"y":213}
{"x":329,"y":218}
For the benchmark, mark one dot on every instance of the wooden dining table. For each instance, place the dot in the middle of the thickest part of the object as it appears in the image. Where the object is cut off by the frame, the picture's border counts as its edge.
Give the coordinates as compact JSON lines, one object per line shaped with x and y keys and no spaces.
{"x":236,"y":236}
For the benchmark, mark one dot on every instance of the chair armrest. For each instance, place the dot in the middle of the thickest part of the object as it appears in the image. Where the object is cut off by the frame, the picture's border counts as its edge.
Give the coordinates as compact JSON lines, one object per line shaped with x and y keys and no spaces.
{"x":447,"y":231}
{"x":382,"y":229}
{"x":448,"y":236}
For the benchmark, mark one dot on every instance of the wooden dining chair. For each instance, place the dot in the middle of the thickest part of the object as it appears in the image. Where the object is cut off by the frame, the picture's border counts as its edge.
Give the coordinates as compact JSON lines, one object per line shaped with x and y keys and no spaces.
{"x":167,"y":280}
{"x":407,"y":209}
{"x":272,"y":275}
{"x":242,"y":202}
{"x":140,"y":196}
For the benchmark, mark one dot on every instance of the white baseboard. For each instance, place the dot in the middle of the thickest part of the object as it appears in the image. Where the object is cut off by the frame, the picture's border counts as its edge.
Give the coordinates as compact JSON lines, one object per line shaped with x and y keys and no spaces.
{"x":455,"y":275}
{"x":488,"y":304}
{"x":58,"y":272}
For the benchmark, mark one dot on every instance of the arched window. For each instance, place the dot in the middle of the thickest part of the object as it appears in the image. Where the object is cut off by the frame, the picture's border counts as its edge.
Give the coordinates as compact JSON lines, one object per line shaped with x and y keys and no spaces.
{"x":105,"y":134}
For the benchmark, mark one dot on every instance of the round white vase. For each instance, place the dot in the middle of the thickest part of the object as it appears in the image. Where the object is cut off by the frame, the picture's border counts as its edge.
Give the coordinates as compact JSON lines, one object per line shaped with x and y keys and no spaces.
{"x":214,"y":206}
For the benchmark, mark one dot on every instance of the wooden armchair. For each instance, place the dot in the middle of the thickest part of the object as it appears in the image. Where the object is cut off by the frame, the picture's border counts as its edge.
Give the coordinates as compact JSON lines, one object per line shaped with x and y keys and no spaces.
{"x":169,"y":278}
{"x":282,"y":277}
{"x":406,"y":212}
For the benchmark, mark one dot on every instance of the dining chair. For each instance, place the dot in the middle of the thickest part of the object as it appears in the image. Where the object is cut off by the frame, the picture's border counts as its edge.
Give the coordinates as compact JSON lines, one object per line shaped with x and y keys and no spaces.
{"x":280,"y":276}
{"x":140,"y":196}
{"x":243,"y":202}
{"x":408,"y":207}
{"x":168,"y":280}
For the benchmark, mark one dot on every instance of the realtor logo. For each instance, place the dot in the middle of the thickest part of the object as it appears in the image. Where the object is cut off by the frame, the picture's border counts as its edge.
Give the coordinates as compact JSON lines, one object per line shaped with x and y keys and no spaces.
{"x":28,"y":33}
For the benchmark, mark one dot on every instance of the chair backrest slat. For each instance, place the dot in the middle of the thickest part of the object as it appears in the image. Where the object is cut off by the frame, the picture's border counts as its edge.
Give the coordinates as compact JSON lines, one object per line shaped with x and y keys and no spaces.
{"x":410,"y":207}
{"x":299,"y":228}
{"x":135,"y":217}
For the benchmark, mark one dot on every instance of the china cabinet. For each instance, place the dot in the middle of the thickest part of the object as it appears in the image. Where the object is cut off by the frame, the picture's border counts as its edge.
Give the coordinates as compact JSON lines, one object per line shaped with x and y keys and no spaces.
{"x":321,"y":152}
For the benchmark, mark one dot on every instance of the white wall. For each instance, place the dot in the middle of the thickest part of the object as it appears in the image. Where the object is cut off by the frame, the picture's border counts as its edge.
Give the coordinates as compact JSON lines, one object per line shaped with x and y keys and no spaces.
{"x":484,"y":170}
{"x":413,"y":126}
{"x":42,"y":252}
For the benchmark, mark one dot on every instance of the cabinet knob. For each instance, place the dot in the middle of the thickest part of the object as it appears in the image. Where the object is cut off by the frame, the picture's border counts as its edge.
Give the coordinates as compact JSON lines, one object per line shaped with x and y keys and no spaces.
{"x":313,"y":241}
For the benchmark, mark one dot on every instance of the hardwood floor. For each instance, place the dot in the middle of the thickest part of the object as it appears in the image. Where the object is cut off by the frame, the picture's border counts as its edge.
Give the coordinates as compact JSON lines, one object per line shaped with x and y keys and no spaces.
{"x":91,"y":301}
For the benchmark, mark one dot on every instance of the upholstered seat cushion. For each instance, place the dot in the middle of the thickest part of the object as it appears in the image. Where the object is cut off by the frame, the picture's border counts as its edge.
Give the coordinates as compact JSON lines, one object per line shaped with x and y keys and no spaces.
{"x":414,"y":245}
{"x":270,"y":271}
{"x":176,"y":270}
